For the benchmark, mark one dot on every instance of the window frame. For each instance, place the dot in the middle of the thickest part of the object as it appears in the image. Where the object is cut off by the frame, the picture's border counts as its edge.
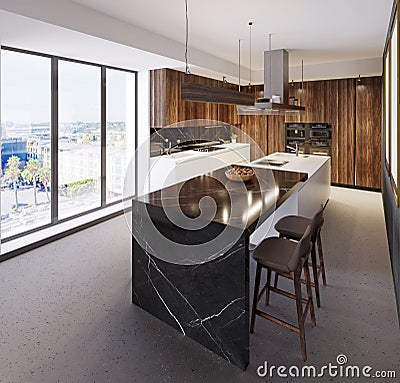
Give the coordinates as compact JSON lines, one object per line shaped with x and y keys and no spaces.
{"x":388,"y":104}
{"x":54,"y":143}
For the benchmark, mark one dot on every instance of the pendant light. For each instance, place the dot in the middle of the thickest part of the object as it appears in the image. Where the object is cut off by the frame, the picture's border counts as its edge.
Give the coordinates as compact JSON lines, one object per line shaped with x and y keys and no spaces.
{"x":250,"y":26}
{"x":205,"y":93}
{"x":239,"y":65}
{"x":272,"y":104}
{"x":186,"y":38}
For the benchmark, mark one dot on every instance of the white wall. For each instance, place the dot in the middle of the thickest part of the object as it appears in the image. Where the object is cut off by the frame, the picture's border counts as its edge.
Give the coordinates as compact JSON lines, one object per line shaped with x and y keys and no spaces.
{"x":67,"y":14}
{"x":340,"y":69}
{"x":143,"y":129}
{"x":334,"y":70}
{"x":0,"y":132}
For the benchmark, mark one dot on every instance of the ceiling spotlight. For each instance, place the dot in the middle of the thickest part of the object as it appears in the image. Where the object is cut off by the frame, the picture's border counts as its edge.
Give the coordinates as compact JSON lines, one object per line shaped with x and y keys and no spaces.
{"x":250,"y":25}
{"x":292,"y":84}
{"x":359,"y":79}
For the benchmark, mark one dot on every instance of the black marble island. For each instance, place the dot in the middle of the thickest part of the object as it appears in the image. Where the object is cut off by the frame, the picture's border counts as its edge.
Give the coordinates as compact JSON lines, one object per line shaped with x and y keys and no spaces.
{"x":190,"y":262}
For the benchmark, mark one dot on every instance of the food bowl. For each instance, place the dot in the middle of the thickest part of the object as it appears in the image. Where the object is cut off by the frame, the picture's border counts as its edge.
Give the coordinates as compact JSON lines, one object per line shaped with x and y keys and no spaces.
{"x":239,"y":173}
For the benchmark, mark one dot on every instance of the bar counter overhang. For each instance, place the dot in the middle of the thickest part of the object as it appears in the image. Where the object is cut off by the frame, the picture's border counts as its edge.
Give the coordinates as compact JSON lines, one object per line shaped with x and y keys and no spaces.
{"x":190,"y":259}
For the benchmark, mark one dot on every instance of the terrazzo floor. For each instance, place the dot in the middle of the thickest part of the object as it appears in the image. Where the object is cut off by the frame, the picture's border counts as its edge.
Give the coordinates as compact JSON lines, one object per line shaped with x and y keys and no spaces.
{"x":66,"y":312}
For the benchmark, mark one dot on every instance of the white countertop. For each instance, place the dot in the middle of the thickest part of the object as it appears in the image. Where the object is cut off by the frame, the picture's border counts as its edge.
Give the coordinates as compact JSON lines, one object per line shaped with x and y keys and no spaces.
{"x":305,"y":163}
{"x":189,"y":155}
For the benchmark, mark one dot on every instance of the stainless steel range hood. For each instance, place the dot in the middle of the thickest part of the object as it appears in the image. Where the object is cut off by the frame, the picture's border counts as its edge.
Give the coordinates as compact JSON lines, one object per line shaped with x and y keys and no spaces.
{"x":276,"y":85}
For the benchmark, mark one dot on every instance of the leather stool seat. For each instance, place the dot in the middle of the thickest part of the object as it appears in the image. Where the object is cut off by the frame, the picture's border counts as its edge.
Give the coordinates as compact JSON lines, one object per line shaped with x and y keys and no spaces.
{"x":276,"y":253}
{"x":292,"y":226}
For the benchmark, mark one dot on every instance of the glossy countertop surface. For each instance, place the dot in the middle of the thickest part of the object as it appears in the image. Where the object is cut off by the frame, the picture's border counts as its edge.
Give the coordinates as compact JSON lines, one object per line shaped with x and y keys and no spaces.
{"x":212,"y":197}
{"x":305,"y":163}
{"x":190,"y":155}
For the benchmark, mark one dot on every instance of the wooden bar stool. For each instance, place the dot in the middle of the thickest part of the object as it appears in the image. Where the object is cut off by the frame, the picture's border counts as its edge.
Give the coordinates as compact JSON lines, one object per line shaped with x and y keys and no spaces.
{"x":293,"y":227}
{"x":289,"y":258}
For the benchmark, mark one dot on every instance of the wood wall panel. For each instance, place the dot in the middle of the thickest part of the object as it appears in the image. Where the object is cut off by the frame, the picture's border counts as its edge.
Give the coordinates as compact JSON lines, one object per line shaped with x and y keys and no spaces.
{"x":254,"y":129}
{"x":332,"y":116}
{"x":312,"y":97}
{"x":158,"y":98}
{"x":177,"y":110}
{"x":344,"y":138}
{"x":173,"y":96}
{"x":294,"y":91}
{"x":368,"y":132}
{"x":331,"y":101}
{"x":276,"y":134}
{"x":317,"y":101}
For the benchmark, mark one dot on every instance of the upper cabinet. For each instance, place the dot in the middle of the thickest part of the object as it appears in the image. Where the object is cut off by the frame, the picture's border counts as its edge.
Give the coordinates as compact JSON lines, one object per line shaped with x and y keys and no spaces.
{"x":353,"y":109}
{"x":368,"y":132}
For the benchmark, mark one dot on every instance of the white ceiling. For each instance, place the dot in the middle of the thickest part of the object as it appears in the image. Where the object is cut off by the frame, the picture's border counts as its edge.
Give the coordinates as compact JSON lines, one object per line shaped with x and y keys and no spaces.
{"x":318,"y":31}
{"x":337,"y":38}
{"x":29,"y":34}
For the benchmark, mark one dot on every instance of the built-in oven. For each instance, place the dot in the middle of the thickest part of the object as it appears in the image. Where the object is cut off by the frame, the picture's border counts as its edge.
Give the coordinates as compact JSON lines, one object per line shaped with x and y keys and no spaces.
{"x":312,"y":137}
{"x":320,"y":151}
{"x":293,"y":132}
{"x":316,"y":133}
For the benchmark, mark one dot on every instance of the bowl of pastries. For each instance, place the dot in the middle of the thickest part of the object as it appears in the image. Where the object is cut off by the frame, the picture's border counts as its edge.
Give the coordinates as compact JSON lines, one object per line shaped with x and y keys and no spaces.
{"x":239,"y":173}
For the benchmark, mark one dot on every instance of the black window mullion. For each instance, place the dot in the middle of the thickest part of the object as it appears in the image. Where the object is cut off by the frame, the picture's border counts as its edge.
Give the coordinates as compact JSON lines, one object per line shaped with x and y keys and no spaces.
{"x":54,"y":145}
{"x":54,"y":140}
{"x":103,"y":137}
{"x":135,"y":156}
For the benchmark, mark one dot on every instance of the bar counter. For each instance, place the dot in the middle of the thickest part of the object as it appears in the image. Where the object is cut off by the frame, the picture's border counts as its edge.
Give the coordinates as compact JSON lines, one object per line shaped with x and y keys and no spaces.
{"x":190,"y":259}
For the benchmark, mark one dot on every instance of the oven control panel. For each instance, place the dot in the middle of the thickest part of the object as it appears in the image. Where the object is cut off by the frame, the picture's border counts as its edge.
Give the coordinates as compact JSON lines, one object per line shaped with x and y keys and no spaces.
{"x":312,"y":137}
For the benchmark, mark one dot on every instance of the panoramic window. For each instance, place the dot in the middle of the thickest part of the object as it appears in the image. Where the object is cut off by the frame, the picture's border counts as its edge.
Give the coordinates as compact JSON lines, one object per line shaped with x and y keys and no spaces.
{"x":387,"y":101}
{"x":79,"y":138}
{"x":393,"y":109}
{"x":25,"y":142}
{"x":120,"y":133}
{"x":94,"y":118}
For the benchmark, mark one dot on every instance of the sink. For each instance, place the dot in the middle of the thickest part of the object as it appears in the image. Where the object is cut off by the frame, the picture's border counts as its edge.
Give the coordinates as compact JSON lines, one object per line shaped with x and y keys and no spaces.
{"x":180,"y":155}
{"x":271,"y":162}
{"x":207,"y":149}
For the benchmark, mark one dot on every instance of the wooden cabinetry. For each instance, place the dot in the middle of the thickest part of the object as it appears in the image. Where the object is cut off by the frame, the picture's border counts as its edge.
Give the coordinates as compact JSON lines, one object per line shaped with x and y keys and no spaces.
{"x":353,"y":110}
{"x":343,"y":135}
{"x":368,"y":132}
{"x":167,"y":107}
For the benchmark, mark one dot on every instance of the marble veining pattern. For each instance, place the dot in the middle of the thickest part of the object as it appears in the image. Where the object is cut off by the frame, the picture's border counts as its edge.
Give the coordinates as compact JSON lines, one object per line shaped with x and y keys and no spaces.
{"x":190,"y":260}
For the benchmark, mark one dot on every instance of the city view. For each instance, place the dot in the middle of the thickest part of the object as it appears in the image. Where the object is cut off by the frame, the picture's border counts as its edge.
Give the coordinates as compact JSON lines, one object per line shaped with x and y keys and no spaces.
{"x":26,"y":171}
{"x":26,"y":139}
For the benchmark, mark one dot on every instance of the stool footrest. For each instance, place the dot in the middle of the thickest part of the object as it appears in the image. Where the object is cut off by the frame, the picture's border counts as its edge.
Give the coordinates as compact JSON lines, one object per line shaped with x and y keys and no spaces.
{"x":302,"y":280}
{"x":286,"y":294}
{"x":278,"y":321}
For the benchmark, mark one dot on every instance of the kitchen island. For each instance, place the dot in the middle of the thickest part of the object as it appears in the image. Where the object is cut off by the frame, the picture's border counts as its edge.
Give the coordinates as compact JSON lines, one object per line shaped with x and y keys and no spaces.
{"x":172,"y":168}
{"x":309,"y":197}
{"x":190,"y":260}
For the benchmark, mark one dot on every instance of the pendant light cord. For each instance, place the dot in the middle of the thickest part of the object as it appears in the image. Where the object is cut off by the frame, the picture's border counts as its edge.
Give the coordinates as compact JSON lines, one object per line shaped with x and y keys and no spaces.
{"x":270,"y":66}
{"x":239,"y":65}
{"x":186,"y":37}
{"x":250,"y":24}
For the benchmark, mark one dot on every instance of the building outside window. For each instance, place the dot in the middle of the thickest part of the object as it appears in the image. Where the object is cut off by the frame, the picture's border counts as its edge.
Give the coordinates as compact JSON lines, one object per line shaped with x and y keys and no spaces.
{"x":95,"y":124}
{"x":25,"y":134}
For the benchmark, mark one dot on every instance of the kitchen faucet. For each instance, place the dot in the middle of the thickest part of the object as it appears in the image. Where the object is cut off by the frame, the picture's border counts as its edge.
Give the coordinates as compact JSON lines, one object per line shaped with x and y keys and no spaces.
{"x":168,"y":149}
{"x":294,"y":150}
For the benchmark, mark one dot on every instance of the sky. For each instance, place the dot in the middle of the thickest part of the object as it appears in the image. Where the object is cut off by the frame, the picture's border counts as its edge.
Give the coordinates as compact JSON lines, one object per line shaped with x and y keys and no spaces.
{"x":26,"y":84}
